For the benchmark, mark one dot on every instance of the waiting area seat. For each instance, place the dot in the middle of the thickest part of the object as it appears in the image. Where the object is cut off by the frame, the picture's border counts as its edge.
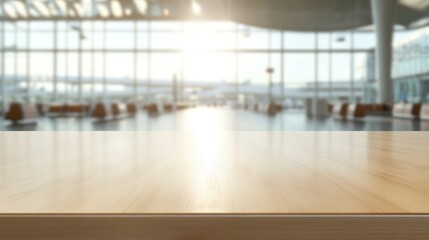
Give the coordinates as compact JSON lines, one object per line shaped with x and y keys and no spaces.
{"x":20,"y":112}
{"x":355,"y":111}
{"x":101,"y":111}
{"x":132,"y":108}
{"x":75,"y":109}
{"x":56,"y":109}
{"x":340,"y":110}
{"x":41,"y":109}
{"x":182,"y":106}
{"x":152,"y":108}
{"x":168,"y":107}
{"x":104,"y":111}
{"x":119,"y":110}
{"x":424,"y":111}
{"x":406,"y":110}
{"x":267,"y":108}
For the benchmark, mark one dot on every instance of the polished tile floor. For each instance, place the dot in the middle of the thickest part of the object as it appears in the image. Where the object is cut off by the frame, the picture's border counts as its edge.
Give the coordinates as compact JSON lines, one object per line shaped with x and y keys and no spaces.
{"x":223,"y":119}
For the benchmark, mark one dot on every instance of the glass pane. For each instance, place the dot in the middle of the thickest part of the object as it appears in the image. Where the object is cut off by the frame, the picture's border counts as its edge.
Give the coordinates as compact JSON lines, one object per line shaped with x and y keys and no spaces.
{"x":295,"y":40}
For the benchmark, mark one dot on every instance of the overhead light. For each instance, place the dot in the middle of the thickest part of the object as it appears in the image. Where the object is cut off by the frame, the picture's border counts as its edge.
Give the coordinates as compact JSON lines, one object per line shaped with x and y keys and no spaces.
{"x":166,"y":12}
{"x":41,"y":8}
{"x":196,"y":8}
{"x":21,"y":9}
{"x":141,"y":6}
{"x":116,"y":8}
{"x":128,"y":11}
{"x":78,"y":9}
{"x":10,"y":10}
{"x":62,"y":6}
{"x":103,"y":11}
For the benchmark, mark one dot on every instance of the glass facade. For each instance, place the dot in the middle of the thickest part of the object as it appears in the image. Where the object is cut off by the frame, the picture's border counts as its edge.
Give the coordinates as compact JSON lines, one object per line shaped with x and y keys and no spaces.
{"x":410,"y":67}
{"x":82,"y":61}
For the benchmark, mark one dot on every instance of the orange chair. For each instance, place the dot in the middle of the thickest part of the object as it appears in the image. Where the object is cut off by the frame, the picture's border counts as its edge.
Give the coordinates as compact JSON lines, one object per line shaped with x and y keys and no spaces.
{"x":75,"y":109}
{"x":152,"y":108}
{"x":119,"y":110}
{"x":132,"y":108}
{"x":56,"y":109}
{"x":22,"y":112}
{"x":355,"y":111}
{"x":340,"y":111}
{"x":406,"y":110}
{"x":101,"y":111}
{"x":168,"y":107}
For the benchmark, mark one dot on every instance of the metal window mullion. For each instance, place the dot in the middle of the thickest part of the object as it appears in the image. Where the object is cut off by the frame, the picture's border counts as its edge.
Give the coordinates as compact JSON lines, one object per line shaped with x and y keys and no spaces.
{"x":15,"y":67}
{"x":316,"y":75}
{"x":330,"y":66}
{"x":149,"y":61}
{"x":104,"y":63}
{"x":135,"y":62}
{"x":28,"y":93}
{"x":237,"y":76}
{"x":352,"y":68}
{"x":3,"y":81}
{"x":80,"y":63}
{"x":55,"y":56}
{"x":282,"y":77}
{"x":93,"y":60}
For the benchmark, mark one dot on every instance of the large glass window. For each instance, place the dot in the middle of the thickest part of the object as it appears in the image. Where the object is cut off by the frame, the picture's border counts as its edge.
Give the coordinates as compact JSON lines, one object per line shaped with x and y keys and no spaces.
{"x":202,"y":53}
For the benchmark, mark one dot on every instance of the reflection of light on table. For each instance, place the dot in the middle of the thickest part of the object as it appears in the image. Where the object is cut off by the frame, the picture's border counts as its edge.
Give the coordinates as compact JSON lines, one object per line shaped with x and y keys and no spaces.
{"x":205,"y":120}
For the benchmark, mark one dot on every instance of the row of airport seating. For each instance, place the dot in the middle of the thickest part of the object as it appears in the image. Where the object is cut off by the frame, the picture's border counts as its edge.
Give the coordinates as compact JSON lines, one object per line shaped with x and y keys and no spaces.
{"x":22,"y":112}
{"x":399,"y":110}
{"x":266,"y":108}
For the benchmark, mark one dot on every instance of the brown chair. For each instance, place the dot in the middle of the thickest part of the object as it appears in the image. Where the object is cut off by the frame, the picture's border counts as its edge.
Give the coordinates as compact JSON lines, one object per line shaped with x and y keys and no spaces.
{"x":424,"y":112}
{"x":168,"y":107}
{"x":355,"y":111}
{"x":119,"y":110}
{"x":101,"y":111}
{"x":132,"y":108}
{"x":367,"y":107}
{"x":182,"y":106}
{"x":272,"y":109}
{"x":40,"y":109}
{"x":75,"y":109}
{"x":56,"y":109}
{"x":340,"y":111}
{"x":152,"y":108}
{"x":22,"y":112}
{"x":406,"y":110}
{"x":278,"y":107}
{"x":330,"y":108}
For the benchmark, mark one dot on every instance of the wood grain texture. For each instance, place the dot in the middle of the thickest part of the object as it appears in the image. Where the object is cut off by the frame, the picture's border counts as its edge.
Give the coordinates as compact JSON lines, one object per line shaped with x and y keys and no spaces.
{"x":214,"y":172}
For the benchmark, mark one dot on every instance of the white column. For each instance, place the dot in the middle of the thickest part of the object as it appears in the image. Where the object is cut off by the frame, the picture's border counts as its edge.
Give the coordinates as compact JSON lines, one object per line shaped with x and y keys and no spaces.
{"x":383,"y":13}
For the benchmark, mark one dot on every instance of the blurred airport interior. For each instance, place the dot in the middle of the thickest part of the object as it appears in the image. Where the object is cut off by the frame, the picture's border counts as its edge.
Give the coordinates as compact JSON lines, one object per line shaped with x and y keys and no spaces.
{"x":276,"y":65}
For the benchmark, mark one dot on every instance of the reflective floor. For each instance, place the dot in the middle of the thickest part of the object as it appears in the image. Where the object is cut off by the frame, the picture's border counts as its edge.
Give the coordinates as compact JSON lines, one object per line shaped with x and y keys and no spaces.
{"x":223,"y":119}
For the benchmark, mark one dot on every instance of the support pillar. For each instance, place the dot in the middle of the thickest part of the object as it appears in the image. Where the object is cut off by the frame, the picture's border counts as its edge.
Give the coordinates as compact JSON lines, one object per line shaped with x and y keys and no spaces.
{"x":383,"y":13}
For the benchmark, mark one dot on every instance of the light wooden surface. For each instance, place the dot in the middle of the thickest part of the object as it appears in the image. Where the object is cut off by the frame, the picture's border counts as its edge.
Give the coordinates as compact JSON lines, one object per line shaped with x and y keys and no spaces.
{"x":214,"y":172}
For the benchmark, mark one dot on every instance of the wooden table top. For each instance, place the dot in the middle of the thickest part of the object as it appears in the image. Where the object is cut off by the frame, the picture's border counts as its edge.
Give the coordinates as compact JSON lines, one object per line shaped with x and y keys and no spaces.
{"x":214,"y":172}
